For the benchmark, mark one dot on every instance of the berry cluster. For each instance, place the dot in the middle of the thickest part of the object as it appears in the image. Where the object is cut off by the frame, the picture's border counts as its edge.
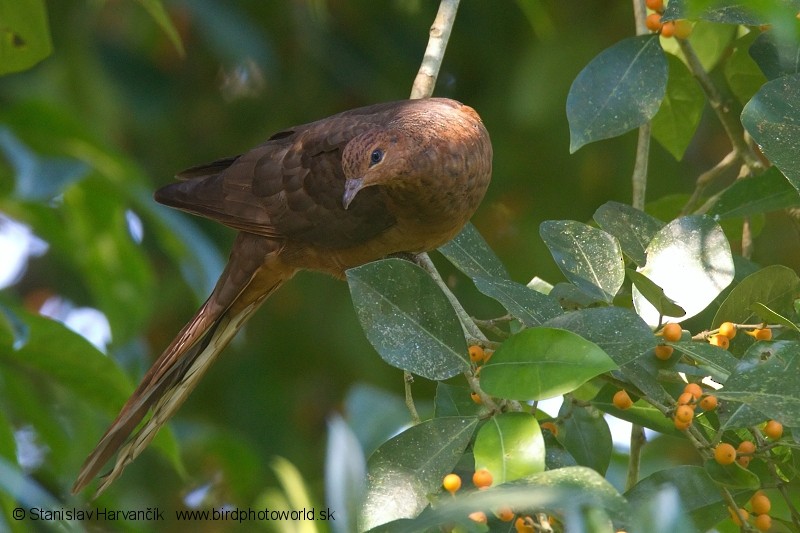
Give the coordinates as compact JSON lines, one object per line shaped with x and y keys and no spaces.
{"x":678,"y":28}
{"x":760,"y":506}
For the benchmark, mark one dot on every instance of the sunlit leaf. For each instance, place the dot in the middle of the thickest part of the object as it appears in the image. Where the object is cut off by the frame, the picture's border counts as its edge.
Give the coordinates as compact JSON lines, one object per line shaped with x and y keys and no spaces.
{"x":540,"y":363}
{"x":619,"y":90}
{"x":345,"y":474}
{"x":589,"y":257}
{"x":640,"y":412}
{"x":633,"y":228}
{"x":742,"y":73}
{"x":769,"y":316}
{"x":408,"y":319}
{"x":770,"y":117}
{"x":696,"y":247}
{"x":406,"y":469}
{"x":24,"y":34}
{"x":654,"y":295}
{"x":510,"y":446}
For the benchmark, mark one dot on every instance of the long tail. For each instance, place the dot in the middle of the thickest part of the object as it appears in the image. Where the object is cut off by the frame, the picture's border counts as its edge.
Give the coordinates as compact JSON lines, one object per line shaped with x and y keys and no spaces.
{"x":253,"y":272}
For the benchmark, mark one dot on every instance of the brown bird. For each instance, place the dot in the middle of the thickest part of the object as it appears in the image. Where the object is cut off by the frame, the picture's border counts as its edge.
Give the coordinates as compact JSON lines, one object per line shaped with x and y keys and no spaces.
{"x":398,"y":177}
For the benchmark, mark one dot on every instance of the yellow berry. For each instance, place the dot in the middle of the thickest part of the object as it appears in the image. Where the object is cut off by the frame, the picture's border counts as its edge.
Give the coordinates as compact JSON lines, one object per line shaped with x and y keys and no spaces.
{"x":478,"y":516}
{"x":672,"y":332}
{"x":664,"y":351}
{"x":728,"y":329}
{"x":684,"y":413}
{"x":763,"y":334}
{"x":719,"y":340}
{"x":686,"y":398}
{"x":709,"y":403}
{"x":476,"y":354}
{"x":451,"y":483}
{"x":693,"y":389}
{"x":724,"y":453}
{"x":746,"y":447}
{"x":737,"y":516}
{"x":760,"y":503}
{"x":763,"y":522}
{"x":622,"y":400}
{"x":773,"y":429}
{"x":482,"y":478}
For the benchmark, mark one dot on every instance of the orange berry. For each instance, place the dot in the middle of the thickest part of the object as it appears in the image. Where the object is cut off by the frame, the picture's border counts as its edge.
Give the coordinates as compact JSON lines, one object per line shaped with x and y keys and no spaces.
{"x":451,"y":483}
{"x":728,"y":329}
{"x":684,"y":413}
{"x":763,"y":334}
{"x":724,"y":453}
{"x":664,"y":351}
{"x":719,"y":340}
{"x":737,"y":517}
{"x":523,"y":526}
{"x":681,"y":425}
{"x":672,"y":332}
{"x":655,"y":5}
{"x":653,"y":22}
{"x":622,"y":400}
{"x":693,"y":389}
{"x":476,"y":354}
{"x":551,"y":427}
{"x":668,"y":29}
{"x":760,"y":503}
{"x":683,"y":29}
{"x":478,"y":516}
{"x":687,"y":398}
{"x":746,"y":447}
{"x":744,"y":461}
{"x":476,"y":397}
{"x":773,"y":429}
{"x":504,"y":514}
{"x":709,"y":403}
{"x":482,"y":478}
{"x":763,"y":522}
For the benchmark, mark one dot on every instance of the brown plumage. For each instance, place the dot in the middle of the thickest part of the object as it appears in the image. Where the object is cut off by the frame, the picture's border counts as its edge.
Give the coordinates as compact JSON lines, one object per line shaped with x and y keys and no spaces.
{"x":327,"y":196}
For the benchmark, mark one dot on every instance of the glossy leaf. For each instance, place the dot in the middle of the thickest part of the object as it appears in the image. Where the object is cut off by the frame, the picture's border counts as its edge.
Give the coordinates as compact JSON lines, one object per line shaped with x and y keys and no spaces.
{"x":24,"y":35}
{"x":770,"y":118}
{"x":773,"y":286}
{"x":741,"y":72}
{"x":655,"y":295}
{"x":718,"y":363}
{"x":768,"y":192}
{"x":540,"y":363}
{"x":469,"y":253}
{"x":620,"y":332}
{"x":771,"y":317}
{"x":408,"y":319}
{"x":760,"y":381}
{"x":733,"y":476}
{"x":619,"y":90}
{"x":589,"y":257}
{"x":775,"y":57}
{"x":634,"y":229}
{"x":531,"y":307}
{"x":510,"y":446}
{"x":677,"y":118}
{"x":406,"y":469}
{"x":586,"y":436}
{"x":640,"y":412}
{"x":455,"y":400}
{"x":696,"y":247}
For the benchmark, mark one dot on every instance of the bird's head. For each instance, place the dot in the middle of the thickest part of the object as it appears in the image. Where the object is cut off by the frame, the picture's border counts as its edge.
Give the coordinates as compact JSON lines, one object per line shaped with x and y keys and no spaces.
{"x":377,"y":157}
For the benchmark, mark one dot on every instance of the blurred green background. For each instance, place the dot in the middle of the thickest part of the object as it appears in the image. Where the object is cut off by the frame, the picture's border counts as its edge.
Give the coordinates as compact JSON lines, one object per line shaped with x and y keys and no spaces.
{"x":118,"y":96}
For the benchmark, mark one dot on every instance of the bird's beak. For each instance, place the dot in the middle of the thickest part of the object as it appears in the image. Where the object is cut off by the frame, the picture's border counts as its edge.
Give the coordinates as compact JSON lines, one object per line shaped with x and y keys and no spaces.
{"x":351,"y":188}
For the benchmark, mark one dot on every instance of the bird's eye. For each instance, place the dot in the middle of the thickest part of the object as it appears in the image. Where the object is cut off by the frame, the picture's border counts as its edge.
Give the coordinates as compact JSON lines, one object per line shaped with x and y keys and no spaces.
{"x":376,"y":157}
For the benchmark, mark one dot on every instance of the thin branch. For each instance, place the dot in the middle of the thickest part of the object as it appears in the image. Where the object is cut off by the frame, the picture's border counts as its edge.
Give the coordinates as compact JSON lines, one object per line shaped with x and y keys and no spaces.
{"x":437,"y":43}
{"x":408,"y":378}
{"x":707,"y":178}
{"x":638,"y":440}
{"x":639,"y":176}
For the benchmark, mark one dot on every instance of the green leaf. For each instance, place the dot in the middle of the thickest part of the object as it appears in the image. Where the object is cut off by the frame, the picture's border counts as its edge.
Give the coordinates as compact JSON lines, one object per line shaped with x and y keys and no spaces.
{"x":655,"y":295}
{"x":773,"y":286}
{"x":742,"y":73}
{"x":469,"y":253}
{"x":718,"y":363}
{"x":722,"y":11}
{"x":540,"y":363}
{"x":770,"y":117}
{"x":531,"y":307}
{"x":768,"y":192}
{"x":345,"y":473}
{"x":774,"y":56}
{"x":641,"y":412}
{"x":768,"y":315}
{"x":375,"y":415}
{"x":699,"y":495}
{"x":24,"y":34}
{"x":760,"y":381}
{"x":696,"y":247}
{"x":510,"y":446}
{"x":406,"y":469}
{"x":455,"y":400}
{"x":677,"y":118}
{"x":586,"y":436}
{"x":633,"y":228}
{"x":733,"y":476}
{"x":620,"y":332}
{"x":408,"y":319}
{"x":619,"y":90}
{"x":589,"y":257}
{"x":156,"y":10}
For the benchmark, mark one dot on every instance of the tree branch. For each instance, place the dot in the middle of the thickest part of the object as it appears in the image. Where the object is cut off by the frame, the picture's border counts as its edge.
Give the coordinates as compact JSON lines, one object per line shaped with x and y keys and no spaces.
{"x":434,"y":53}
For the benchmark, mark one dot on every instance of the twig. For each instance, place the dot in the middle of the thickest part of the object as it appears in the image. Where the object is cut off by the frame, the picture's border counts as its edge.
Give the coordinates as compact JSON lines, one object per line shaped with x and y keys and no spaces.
{"x":638,"y":440}
{"x":437,"y":43}
{"x":639,"y":176}
{"x":705,"y":179}
{"x":412,"y":408}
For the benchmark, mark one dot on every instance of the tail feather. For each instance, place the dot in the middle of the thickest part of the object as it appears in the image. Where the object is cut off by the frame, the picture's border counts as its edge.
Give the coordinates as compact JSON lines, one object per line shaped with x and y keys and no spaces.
{"x":244,"y":285}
